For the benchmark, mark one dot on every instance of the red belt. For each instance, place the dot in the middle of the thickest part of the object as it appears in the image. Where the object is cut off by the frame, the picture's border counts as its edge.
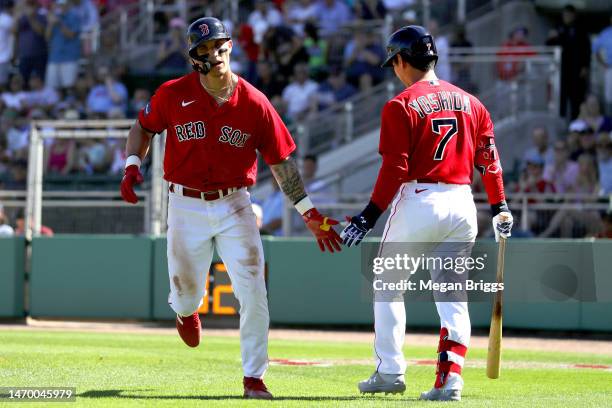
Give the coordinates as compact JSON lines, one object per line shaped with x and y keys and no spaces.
{"x":205,"y":195}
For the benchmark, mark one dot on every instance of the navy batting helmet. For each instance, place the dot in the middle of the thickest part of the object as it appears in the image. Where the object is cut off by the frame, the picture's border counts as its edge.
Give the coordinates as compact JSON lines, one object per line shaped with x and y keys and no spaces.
{"x":414,"y":43}
{"x":204,"y":29}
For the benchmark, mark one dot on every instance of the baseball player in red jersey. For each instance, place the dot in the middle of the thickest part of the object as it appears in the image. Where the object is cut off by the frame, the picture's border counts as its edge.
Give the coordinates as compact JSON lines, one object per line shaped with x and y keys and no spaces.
{"x":432,"y":135}
{"x":216,"y":122}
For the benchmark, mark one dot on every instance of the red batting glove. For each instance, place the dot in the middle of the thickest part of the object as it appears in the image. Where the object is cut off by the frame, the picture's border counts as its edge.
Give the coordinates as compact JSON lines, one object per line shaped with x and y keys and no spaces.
{"x":321,"y":228}
{"x":131,"y":177}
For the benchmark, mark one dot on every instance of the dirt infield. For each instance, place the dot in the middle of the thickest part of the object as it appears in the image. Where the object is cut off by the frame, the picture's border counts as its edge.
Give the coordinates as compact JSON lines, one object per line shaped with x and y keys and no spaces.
{"x":472,"y":363}
{"x":479,"y":341}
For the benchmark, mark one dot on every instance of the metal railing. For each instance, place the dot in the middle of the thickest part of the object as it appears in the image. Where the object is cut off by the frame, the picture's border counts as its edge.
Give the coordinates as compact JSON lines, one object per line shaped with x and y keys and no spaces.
{"x":531,"y":210}
{"x":82,"y":129}
{"x":134,"y":23}
{"x":86,"y":211}
{"x":535,"y":88}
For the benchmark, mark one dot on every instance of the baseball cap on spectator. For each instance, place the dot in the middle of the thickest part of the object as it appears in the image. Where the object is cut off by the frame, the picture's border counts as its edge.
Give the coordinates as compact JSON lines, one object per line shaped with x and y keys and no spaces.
{"x":580,"y":126}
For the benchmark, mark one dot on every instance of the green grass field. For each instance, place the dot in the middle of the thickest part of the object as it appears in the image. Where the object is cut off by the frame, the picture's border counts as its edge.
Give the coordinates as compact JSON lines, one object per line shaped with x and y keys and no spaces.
{"x":111,"y":369}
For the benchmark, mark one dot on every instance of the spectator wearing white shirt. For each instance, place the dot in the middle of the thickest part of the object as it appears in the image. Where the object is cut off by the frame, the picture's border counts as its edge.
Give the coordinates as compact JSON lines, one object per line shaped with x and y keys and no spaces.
{"x":6,"y":40}
{"x":299,"y":95}
{"x":5,"y":229}
{"x":13,"y":98}
{"x":16,"y":130}
{"x":263,"y":17}
{"x":40,"y":96}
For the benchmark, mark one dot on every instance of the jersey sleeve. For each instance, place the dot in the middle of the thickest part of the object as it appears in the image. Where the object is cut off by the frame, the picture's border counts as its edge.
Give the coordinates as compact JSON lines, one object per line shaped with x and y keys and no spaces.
{"x":394,"y":147}
{"x":486,"y":159}
{"x":152,"y":117}
{"x":275,"y":143}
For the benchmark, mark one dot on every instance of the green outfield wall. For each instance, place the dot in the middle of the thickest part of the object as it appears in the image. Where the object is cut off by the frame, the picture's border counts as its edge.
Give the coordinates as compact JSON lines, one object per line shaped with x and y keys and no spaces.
{"x":79,"y":276}
{"x":12,"y":256}
{"x":126,"y":277}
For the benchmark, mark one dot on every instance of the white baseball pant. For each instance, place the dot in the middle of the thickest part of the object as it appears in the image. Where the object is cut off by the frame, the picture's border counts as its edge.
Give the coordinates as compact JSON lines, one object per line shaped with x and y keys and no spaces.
{"x":195,"y":228}
{"x":438,"y":213}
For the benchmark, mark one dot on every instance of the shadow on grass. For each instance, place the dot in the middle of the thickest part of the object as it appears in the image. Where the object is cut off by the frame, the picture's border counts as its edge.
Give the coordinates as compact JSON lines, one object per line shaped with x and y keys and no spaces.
{"x":120,"y":394}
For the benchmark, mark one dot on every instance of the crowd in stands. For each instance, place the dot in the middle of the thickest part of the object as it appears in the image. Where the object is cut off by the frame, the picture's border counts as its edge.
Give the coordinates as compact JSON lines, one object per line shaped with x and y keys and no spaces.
{"x":47,"y":70}
{"x":306,"y":56}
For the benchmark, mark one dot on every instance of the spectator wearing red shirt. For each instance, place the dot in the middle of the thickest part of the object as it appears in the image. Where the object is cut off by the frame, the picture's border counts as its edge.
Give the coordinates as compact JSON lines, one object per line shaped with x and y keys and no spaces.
{"x":246,"y":39}
{"x":516,"y":46}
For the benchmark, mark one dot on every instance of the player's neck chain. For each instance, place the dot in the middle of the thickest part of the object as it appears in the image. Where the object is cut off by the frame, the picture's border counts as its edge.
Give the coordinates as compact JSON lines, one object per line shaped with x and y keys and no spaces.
{"x":223,"y":94}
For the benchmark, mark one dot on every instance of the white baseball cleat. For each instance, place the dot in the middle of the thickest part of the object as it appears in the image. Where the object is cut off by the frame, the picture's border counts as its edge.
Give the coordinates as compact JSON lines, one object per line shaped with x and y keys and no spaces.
{"x":387,"y":383}
{"x":450,"y":391}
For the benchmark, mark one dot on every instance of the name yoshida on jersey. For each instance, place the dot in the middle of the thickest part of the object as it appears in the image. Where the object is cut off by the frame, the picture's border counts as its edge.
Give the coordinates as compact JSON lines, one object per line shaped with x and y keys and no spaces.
{"x":439,"y":101}
{"x":435,"y":131}
{"x":208,"y":146}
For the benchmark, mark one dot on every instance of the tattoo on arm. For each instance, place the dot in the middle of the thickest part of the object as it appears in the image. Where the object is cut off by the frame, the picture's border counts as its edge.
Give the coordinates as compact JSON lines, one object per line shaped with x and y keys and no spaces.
{"x":288,"y":177}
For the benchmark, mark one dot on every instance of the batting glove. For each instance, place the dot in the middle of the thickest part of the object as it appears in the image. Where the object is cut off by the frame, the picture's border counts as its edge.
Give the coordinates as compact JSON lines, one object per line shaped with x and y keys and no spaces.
{"x":360,"y":225}
{"x":321,"y":228}
{"x":356,"y":231}
{"x":502,"y":221}
{"x":131,"y":177}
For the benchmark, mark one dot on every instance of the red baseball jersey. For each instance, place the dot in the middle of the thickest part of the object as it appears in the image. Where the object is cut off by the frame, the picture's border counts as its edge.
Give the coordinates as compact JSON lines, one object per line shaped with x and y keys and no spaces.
{"x":432,"y":131}
{"x":208,"y":146}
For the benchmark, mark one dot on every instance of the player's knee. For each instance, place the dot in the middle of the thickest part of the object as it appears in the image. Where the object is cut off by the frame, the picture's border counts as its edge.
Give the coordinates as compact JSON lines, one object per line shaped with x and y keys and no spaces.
{"x":186,"y":306}
{"x":253,"y":300}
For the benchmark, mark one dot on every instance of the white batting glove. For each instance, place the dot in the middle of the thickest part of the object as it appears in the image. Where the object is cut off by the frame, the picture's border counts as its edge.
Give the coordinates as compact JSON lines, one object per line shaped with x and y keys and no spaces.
{"x":502,"y":225}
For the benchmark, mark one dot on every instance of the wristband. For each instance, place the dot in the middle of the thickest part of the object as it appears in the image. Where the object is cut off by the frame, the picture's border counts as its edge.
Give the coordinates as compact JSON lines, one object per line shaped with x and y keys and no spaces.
{"x":371,"y":213}
{"x":499,"y":207}
{"x":304,"y":205}
{"x":133,"y":159}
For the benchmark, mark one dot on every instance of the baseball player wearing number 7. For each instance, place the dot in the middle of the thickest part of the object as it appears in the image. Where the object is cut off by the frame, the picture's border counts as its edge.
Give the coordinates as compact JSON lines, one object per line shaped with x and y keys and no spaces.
{"x":432,"y":135}
{"x":216,"y":122}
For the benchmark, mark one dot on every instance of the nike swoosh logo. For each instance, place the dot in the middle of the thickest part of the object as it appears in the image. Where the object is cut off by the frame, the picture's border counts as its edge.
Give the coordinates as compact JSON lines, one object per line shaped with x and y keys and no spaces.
{"x":183,"y":103}
{"x":416,"y":190}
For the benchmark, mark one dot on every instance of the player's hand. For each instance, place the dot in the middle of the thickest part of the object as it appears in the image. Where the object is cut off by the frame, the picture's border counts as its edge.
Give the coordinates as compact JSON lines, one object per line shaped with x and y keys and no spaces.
{"x":502,"y":225}
{"x":321,"y":228}
{"x":131,"y":177}
{"x":355,"y":231}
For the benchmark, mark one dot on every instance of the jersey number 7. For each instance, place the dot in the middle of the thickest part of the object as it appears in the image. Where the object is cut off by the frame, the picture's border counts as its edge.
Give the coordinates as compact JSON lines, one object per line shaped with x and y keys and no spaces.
{"x":451,"y":125}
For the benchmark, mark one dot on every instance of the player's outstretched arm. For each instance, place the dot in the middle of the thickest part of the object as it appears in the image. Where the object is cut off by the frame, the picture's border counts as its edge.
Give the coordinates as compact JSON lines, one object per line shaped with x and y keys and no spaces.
{"x":136,"y":149}
{"x":288,"y":177}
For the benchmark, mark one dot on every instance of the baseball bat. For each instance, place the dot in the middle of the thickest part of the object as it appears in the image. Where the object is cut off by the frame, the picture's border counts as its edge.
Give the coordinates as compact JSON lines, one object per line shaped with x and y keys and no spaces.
{"x":495,"y":331}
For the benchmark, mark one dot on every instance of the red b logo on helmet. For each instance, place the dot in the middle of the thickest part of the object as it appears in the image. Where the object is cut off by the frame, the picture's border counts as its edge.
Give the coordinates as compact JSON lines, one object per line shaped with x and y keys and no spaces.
{"x":204,"y":29}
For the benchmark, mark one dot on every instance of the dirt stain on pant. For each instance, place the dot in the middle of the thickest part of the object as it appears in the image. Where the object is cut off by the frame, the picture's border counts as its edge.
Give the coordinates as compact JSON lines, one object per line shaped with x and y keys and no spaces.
{"x":177,"y":284}
{"x":184,"y":278}
{"x":252,"y":260}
